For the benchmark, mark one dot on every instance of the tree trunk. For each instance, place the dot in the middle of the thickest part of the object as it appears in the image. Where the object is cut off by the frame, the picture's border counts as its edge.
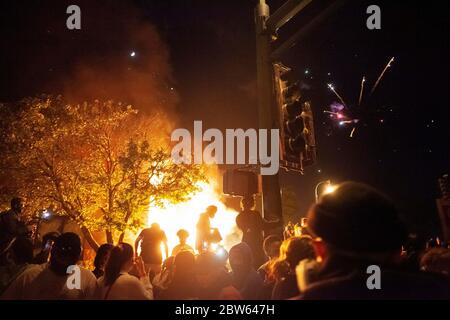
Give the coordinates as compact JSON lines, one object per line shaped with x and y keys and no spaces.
{"x":109,"y":237}
{"x":89,"y":238}
{"x":122,"y":235}
{"x":63,"y":224}
{"x":127,"y":216}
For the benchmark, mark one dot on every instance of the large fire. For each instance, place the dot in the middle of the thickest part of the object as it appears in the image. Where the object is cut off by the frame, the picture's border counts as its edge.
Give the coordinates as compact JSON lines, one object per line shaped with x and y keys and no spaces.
{"x":185,"y":215}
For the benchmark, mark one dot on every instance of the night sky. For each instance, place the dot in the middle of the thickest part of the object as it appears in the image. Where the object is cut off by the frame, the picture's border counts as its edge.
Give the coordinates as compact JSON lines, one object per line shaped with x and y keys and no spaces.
{"x":203,"y":54}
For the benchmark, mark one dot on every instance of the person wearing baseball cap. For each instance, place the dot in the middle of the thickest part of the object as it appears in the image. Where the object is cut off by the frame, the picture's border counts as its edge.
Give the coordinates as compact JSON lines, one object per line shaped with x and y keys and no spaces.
{"x":357,"y":229}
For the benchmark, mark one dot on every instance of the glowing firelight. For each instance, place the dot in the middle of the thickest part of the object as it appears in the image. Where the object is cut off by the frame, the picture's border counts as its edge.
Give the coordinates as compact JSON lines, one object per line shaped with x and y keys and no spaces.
{"x":185,"y":216}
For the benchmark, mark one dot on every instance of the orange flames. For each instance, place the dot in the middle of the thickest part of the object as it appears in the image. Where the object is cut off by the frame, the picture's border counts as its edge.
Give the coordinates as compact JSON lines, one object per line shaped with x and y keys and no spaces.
{"x":185,"y":215}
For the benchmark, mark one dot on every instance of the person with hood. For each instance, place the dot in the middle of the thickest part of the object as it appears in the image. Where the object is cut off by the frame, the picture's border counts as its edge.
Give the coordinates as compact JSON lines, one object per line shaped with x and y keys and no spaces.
{"x":244,"y":276}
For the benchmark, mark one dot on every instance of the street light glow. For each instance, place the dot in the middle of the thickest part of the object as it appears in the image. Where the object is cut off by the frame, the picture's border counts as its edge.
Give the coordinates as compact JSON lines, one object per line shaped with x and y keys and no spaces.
{"x":329,"y":189}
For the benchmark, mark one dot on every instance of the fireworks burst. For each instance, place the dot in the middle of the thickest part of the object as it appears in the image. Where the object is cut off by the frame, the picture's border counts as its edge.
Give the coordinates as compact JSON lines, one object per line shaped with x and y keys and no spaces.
{"x":337,"y":94}
{"x":342,"y":115}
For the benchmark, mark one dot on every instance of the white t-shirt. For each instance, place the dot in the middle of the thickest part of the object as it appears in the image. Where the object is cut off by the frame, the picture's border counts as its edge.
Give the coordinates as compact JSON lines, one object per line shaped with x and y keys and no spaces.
{"x":126,"y":287}
{"x":38,"y":282}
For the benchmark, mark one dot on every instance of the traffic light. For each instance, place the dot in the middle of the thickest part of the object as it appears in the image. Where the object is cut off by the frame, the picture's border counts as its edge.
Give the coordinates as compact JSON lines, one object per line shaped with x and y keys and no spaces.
{"x":295,"y":121}
{"x":241,"y":183}
{"x":309,"y":156}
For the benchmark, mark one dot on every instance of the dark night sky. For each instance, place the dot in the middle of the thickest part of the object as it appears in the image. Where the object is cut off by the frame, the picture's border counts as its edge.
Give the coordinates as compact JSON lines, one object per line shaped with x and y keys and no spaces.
{"x":211,"y":65}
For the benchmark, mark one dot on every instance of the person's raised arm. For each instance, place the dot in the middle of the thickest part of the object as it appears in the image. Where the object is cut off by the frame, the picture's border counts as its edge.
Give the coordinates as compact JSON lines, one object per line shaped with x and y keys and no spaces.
{"x":142,"y":289}
{"x":136,"y":244}
{"x":166,"y":247}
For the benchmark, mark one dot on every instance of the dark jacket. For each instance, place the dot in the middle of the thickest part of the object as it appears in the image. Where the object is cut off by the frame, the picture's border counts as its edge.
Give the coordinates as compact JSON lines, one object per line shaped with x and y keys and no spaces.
{"x":245,"y":278}
{"x":286,"y":288}
{"x":346,"y":279}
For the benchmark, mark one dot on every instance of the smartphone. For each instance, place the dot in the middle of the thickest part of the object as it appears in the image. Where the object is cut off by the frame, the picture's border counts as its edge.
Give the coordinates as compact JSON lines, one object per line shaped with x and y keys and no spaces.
{"x":48,"y":245}
{"x":304,"y":222}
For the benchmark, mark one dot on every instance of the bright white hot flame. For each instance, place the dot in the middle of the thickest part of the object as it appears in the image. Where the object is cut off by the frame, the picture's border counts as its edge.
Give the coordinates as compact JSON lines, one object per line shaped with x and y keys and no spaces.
{"x":185,"y":216}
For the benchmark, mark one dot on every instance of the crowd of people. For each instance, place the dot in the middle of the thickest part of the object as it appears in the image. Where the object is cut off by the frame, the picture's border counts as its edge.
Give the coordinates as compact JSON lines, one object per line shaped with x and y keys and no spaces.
{"x":327,"y":257}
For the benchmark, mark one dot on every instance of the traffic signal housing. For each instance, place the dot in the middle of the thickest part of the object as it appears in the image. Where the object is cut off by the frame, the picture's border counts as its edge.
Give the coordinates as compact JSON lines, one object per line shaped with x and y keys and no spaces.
{"x":296,"y":122}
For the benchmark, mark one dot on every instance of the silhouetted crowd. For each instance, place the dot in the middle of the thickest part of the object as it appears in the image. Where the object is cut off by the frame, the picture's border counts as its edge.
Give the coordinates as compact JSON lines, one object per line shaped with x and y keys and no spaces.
{"x":352,"y":245}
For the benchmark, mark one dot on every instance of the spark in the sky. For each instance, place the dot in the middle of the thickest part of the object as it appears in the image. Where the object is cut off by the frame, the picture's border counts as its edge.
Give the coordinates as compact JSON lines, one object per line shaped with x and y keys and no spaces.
{"x":337,"y":94}
{"x":361,"y":91}
{"x":382,"y":74}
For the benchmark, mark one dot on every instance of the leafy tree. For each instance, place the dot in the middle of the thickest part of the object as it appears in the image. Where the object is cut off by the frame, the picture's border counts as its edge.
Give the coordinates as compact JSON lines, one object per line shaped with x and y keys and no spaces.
{"x":101,"y":164}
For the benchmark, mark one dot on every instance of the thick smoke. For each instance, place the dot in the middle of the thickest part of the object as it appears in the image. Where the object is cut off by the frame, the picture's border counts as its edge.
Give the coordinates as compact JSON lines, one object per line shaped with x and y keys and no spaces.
{"x":94,"y":62}
{"x":109,"y":70}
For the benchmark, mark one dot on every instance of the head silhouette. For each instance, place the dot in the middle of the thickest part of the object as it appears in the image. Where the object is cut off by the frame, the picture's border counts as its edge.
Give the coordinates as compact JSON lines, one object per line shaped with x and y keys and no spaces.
{"x":357,"y":218}
{"x":120,"y":259}
{"x":16,"y":205}
{"x":65,"y":252}
{"x":248,"y":203}
{"x":102,"y":256}
{"x":182,"y":235}
{"x":211,"y":211}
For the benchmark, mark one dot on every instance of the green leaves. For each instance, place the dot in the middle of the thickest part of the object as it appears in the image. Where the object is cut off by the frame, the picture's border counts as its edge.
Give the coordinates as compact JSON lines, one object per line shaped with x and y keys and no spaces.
{"x":101,"y":164}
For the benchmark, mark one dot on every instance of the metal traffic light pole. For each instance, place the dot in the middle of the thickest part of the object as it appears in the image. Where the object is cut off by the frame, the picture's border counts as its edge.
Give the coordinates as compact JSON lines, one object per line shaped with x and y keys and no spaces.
{"x":266,"y":27}
{"x":266,"y":115}
{"x":269,"y":118}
